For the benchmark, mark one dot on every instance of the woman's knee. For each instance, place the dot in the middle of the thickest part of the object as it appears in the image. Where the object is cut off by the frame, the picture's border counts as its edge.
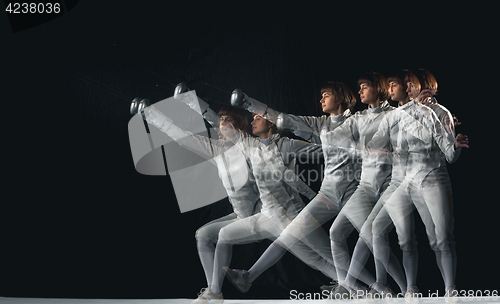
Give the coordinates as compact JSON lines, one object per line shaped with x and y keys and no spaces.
{"x":337,"y":234}
{"x":407,"y":242}
{"x":207,"y":236}
{"x":381,"y":225}
{"x":225,"y":236}
{"x":444,"y":244}
{"x":366,"y":233}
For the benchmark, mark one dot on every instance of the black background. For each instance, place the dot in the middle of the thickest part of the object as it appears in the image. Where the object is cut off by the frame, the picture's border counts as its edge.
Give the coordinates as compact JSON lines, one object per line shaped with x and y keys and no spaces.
{"x":78,"y":221}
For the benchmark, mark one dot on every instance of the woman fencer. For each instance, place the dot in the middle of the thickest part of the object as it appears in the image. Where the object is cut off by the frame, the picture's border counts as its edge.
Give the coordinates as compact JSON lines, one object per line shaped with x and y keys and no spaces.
{"x":231,"y":164}
{"x":436,"y":187}
{"x":276,"y":197}
{"x":375,"y":177}
{"x":289,"y":150}
{"x":278,"y":194}
{"x":399,"y":154}
{"x":269,"y":224}
{"x":426,"y":140}
{"x":339,"y":180}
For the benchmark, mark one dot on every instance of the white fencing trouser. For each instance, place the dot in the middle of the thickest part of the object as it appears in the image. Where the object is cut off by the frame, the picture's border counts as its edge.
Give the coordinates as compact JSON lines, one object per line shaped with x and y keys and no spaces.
{"x":398,"y":212}
{"x":434,"y":205}
{"x":259,"y":227}
{"x":305,"y":238}
{"x":391,"y":263}
{"x":430,"y":191}
{"x":437,"y":197}
{"x":206,"y":239}
{"x":317,"y":212}
{"x":352,"y":216}
{"x":243,"y":231}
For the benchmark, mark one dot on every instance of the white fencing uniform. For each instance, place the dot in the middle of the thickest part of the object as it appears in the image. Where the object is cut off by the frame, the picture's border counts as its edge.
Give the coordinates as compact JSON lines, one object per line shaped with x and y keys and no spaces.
{"x":388,"y":133}
{"x":339,"y":179}
{"x":427,"y":140}
{"x":280,"y":204}
{"x":289,"y":150}
{"x":272,"y":220}
{"x":278,"y":192}
{"x":374,"y":179}
{"x":337,"y":186}
{"x":438,"y":197}
{"x":238,"y":180}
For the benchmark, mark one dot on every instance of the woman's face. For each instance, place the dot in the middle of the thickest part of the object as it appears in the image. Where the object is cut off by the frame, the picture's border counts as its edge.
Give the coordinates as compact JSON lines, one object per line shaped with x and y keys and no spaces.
{"x":259,"y":125}
{"x":328,"y":102}
{"x":397,"y":91}
{"x":412,"y":90}
{"x":367,"y":93}
{"x":226,"y":125}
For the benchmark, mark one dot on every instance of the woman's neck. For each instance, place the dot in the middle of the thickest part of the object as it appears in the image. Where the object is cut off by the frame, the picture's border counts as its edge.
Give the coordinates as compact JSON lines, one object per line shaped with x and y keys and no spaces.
{"x":375,"y":104}
{"x":338,"y":111}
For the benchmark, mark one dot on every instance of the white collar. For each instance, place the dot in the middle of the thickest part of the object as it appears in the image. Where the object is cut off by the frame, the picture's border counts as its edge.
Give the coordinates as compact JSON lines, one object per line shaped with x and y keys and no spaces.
{"x":336,"y":118}
{"x":379,"y":109}
{"x":265,"y":141}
